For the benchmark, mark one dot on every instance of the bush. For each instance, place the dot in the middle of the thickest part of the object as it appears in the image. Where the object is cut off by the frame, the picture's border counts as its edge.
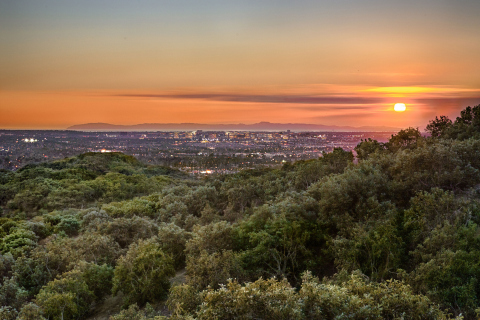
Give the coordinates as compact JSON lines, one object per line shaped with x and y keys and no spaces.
{"x":351,"y":298}
{"x":31,"y":311}
{"x":67,"y":297}
{"x":143,"y":273}
{"x":173,"y":241}
{"x":452,"y":279}
{"x":183,"y":300}
{"x":213,"y":269}
{"x":262,"y":299}
{"x":12,"y":295}
{"x":360,"y":299}
{"x":18,"y":241}
{"x":98,"y":278}
{"x":128,"y":230}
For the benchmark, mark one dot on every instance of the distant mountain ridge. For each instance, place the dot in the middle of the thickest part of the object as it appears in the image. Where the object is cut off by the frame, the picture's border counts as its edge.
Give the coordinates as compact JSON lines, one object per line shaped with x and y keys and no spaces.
{"x":261,"y":126}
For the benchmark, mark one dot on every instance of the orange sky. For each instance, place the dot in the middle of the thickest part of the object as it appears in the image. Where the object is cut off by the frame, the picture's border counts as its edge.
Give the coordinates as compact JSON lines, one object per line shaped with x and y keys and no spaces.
{"x":335,"y":63}
{"x":360,"y":106}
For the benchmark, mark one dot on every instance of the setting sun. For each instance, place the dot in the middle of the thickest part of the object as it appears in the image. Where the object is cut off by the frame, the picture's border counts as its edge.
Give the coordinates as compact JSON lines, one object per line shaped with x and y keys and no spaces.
{"x":399,"y":107}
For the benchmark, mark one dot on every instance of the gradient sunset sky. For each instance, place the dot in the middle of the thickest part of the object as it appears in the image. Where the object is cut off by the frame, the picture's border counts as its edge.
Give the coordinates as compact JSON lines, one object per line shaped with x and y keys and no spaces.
{"x":339,"y":62}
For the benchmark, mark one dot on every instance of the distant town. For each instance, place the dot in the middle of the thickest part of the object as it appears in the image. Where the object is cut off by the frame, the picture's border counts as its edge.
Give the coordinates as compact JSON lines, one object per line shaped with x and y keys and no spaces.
{"x":196,"y":152}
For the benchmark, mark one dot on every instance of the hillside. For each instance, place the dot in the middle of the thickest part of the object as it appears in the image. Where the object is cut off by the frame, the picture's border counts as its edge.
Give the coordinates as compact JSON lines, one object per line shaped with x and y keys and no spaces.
{"x":394,"y":235}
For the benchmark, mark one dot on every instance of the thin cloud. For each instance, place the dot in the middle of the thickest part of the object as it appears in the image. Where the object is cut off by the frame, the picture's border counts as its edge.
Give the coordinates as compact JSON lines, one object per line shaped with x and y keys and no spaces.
{"x":449,"y":106}
{"x":314,"y":108}
{"x":344,"y":116}
{"x":287,"y":99}
{"x":449,"y":101}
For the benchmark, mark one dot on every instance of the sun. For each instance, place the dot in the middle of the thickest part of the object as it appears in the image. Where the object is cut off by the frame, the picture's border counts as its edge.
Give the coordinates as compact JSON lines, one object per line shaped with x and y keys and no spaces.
{"x":400,"y":107}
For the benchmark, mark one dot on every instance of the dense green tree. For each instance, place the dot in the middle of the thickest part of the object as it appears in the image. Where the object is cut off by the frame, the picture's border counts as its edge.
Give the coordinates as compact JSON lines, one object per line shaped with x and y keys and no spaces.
{"x":465,"y":126}
{"x":451,"y":278}
{"x":342,"y":198}
{"x":442,"y":165}
{"x":428,"y":210}
{"x":367,"y":147}
{"x":309,"y":172}
{"x":278,"y":249}
{"x":404,"y":139}
{"x":439,"y":126}
{"x":377,"y":251}
{"x":337,"y":160}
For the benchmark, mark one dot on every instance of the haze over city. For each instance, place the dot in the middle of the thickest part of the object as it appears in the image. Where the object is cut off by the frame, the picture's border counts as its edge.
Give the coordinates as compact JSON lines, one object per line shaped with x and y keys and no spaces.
{"x":222,"y":62}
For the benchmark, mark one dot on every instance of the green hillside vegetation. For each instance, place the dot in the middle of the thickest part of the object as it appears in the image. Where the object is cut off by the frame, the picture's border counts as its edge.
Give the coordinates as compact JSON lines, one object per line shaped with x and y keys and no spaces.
{"x":392,"y":235}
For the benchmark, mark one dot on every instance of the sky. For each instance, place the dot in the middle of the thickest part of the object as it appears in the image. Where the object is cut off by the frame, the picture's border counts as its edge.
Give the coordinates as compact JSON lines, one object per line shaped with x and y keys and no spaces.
{"x":342,"y":62}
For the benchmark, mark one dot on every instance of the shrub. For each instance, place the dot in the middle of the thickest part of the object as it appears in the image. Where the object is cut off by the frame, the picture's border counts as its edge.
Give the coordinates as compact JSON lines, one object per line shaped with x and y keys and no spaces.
{"x":143,"y":273}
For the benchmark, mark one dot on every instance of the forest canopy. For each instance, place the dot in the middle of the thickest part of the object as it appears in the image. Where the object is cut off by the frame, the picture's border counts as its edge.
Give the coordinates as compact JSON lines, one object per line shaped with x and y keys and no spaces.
{"x":391,"y":233}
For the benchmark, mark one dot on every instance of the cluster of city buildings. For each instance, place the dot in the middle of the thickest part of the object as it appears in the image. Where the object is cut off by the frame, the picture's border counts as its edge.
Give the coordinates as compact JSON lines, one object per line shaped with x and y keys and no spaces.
{"x":195,"y":151}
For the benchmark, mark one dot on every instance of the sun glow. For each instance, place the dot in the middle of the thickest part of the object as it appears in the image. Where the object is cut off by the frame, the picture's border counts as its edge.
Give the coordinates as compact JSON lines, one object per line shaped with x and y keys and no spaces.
{"x":399,"y":107}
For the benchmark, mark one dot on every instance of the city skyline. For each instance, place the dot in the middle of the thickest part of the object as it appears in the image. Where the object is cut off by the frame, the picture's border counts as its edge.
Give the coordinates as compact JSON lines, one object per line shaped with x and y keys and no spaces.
{"x":321,"y":62}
